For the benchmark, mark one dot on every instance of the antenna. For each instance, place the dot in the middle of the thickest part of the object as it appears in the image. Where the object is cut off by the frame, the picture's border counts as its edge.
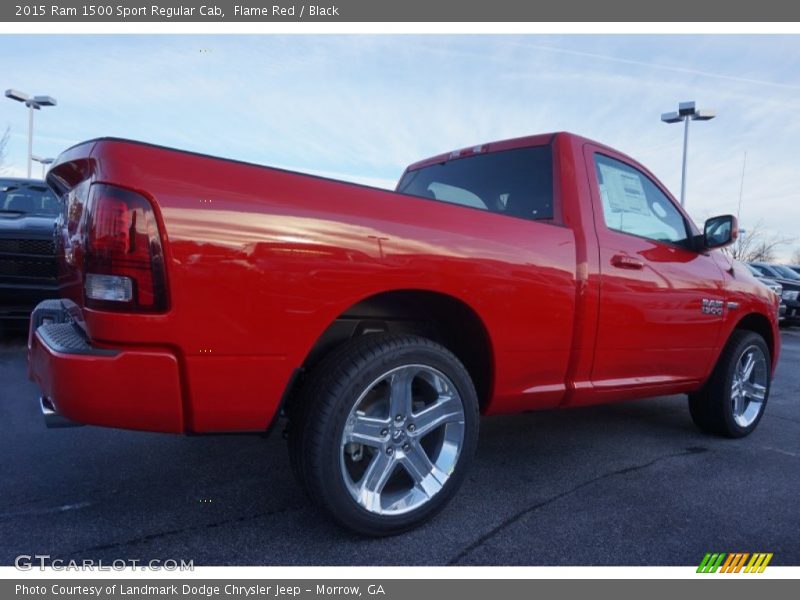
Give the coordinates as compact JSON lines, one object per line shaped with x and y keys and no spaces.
{"x":741,"y":187}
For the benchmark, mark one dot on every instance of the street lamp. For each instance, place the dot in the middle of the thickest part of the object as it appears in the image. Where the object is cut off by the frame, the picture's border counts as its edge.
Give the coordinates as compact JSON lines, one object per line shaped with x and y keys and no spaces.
{"x":687,"y":112}
{"x":44,"y":162}
{"x":33,"y":103}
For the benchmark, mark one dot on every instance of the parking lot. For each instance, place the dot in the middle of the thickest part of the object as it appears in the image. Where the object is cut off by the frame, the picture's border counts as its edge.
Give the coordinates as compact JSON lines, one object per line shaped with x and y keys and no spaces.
{"x":630,"y":484}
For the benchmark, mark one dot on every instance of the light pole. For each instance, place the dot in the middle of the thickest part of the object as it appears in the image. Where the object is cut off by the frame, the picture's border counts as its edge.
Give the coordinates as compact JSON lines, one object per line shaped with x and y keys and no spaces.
{"x":44,"y":162}
{"x":686,"y":112}
{"x":33,"y":103}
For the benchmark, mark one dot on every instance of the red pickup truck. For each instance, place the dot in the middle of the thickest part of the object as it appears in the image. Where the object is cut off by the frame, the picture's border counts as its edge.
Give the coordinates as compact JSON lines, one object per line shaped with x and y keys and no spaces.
{"x":208,"y":295}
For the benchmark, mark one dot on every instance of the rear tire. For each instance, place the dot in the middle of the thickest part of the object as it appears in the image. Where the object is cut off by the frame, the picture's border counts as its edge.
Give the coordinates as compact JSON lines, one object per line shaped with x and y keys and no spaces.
{"x":386,"y":432}
{"x":732,"y":401}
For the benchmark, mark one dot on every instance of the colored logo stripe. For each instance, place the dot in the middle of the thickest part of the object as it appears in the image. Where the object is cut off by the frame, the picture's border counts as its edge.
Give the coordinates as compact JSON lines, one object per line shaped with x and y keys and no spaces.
{"x":758,"y":563}
{"x":734,"y":562}
{"x":711,"y":563}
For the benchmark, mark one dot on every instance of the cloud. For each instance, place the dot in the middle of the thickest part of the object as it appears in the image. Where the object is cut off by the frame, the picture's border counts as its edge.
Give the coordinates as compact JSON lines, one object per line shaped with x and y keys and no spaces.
{"x":365,"y":106}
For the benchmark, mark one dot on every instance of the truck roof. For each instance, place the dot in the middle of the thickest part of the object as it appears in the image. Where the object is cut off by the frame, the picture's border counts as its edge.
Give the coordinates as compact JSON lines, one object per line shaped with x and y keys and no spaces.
{"x":538,"y":139}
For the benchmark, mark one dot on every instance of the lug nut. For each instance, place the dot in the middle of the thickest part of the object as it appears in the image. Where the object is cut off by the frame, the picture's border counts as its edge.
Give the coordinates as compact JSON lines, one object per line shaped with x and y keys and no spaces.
{"x":384,"y":432}
{"x":406,"y":447}
{"x":411,"y":427}
{"x":398,"y":418}
{"x":390,"y":451}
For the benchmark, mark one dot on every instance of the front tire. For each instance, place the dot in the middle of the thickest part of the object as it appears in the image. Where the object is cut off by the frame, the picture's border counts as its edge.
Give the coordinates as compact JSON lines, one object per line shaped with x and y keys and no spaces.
{"x":389,"y":428}
{"x":733,"y":400}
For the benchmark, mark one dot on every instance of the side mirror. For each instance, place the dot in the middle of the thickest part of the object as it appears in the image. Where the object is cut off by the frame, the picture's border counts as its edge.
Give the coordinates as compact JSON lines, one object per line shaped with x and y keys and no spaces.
{"x":720,"y":231}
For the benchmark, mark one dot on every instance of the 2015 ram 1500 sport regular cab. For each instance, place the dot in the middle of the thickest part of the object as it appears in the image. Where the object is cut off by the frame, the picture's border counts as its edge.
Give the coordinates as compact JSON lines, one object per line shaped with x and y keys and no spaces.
{"x":209,"y":295}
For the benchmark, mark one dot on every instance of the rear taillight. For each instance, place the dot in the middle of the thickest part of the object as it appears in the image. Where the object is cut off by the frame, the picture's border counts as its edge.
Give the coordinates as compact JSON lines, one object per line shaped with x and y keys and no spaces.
{"x":123,"y":258}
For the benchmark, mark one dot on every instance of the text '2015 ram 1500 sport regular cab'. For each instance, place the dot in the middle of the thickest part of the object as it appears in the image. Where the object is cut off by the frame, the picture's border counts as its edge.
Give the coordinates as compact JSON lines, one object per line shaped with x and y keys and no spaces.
{"x":208,"y":295}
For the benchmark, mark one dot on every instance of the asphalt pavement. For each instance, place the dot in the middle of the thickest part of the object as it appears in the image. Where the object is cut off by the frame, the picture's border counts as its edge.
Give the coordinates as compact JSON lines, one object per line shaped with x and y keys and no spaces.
{"x":628,"y":484}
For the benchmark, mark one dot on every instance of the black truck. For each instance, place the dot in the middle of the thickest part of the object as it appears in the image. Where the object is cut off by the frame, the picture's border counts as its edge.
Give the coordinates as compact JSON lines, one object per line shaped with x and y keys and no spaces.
{"x":28,"y":273}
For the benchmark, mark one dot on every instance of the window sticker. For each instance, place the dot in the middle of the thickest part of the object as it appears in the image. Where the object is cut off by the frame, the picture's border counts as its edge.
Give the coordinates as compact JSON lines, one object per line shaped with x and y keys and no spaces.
{"x":624,"y":191}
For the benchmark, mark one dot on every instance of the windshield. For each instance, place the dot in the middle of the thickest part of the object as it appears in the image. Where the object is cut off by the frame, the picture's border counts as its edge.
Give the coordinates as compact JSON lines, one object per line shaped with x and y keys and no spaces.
{"x":786,"y":272}
{"x":764,"y":270}
{"x":517,"y":183}
{"x":28,"y":197}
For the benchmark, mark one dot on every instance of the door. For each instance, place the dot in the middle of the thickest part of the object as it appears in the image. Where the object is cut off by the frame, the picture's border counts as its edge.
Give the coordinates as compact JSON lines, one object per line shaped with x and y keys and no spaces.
{"x":660,"y":301}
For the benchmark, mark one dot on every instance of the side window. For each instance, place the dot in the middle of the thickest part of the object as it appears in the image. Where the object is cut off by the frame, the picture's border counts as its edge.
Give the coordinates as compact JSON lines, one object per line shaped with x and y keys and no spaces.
{"x":517,"y":182}
{"x":633,"y":204}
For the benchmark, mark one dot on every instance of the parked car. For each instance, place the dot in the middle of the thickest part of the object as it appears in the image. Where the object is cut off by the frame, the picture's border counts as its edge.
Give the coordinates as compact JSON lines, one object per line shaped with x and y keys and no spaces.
{"x":28,"y":209}
{"x":776,"y":287}
{"x":790,"y":284}
{"x":786,"y":272}
{"x":795,"y":268}
{"x":210,"y":295}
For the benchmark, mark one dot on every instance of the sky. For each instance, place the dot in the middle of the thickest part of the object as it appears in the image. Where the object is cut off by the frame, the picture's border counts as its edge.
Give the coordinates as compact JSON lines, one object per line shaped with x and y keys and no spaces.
{"x":361,"y":108}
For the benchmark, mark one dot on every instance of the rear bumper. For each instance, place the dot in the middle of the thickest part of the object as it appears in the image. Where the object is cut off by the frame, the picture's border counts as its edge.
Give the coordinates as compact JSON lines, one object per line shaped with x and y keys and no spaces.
{"x":82,"y":383}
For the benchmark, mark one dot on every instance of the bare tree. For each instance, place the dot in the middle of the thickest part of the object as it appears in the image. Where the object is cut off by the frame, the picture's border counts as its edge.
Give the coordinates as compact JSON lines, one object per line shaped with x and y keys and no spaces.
{"x":756,"y":245}
{"x":3,"y":145}
{"x":796,"y":257}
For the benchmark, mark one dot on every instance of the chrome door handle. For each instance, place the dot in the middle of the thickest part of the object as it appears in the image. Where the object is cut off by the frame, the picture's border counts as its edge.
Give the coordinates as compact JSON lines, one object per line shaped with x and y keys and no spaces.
{"x":623,"y":261}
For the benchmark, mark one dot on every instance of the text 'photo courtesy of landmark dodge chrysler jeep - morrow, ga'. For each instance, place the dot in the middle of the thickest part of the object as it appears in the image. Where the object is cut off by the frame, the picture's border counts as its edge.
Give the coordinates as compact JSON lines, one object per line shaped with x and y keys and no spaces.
{"x":207,"y":295}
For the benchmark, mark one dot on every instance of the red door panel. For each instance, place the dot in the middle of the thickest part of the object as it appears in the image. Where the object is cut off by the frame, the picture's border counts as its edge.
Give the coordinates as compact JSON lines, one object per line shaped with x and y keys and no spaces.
{"x":651,"y":329}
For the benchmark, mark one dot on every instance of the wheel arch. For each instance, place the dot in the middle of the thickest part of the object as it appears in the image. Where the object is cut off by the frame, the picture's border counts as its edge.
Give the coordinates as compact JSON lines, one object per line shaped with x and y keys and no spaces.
{"x":439,"y":316}
{"x":758,"y":323}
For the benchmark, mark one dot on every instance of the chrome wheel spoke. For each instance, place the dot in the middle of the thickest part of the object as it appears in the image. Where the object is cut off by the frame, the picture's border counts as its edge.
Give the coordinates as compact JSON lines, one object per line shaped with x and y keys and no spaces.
{"x":738,"y":403}
{"x":748,"y":363}
{"x":427,"y":477}
{"x":755,"y":391}
{"x":368,"y":431}
{"x":371,"y":486}
{"x":400,"y":392}
{"x":446,"y":409}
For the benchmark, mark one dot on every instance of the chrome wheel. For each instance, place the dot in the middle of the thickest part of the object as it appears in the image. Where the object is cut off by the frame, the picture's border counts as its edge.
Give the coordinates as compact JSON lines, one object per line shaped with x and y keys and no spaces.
{"x":402,"y":439}
{"x":749,"y":386}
